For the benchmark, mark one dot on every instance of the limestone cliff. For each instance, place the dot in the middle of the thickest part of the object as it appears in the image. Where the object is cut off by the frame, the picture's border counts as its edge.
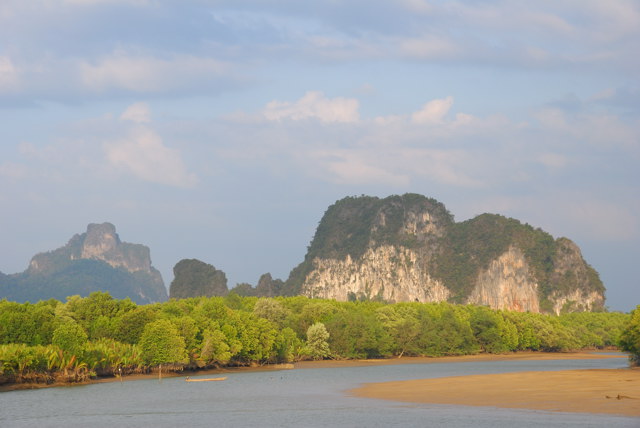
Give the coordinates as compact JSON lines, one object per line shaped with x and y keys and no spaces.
{"x":408,"y":248}
{"x":507,"y":284}
{"x":100,"y":242}
{"x":388,"y":273}
{"x":96,"y":260}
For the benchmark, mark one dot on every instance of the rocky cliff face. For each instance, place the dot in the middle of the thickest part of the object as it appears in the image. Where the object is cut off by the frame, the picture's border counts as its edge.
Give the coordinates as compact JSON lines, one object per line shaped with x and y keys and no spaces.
{"x":387,"y":273}
{"x":100,"y":242}
{"x":577,"y":282}
{"x":407,"y":248}
{"x":93,"y":261}
{"x":507,"y":284}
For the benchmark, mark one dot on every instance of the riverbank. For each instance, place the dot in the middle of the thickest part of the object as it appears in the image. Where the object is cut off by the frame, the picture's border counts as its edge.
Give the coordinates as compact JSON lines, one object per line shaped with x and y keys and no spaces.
{"x":608,"y":391}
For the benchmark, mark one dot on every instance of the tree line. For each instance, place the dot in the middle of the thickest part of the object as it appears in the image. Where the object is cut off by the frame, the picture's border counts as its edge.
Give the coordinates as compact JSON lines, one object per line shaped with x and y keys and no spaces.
{"x":97,"y":335}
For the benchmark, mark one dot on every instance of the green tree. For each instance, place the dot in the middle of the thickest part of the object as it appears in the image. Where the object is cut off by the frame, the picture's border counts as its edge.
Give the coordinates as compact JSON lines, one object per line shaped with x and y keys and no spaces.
{"x":161,"y":343}
{"x":630,"y":337}
{"x":272,"y":310}
{"x":492,"y":331}
{"x":317,"y":345}
{"x":69,"y":337}
{"x":129,"y":326}
{"x":214,"y":347}
{"x":401,"y":322}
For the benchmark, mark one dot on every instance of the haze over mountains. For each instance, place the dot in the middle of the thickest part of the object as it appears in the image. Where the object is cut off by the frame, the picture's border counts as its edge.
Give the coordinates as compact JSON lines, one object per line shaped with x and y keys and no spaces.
{"x":400,"y":248}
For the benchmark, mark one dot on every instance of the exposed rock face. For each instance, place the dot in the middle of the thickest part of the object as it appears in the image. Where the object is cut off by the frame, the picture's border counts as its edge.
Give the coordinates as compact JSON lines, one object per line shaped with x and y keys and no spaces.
{"x":93,"y":261}
{"x":408,"y":248}
{"x":100,"y":242}
{"x":387,"y":273}
{"x":572,"y":273}
{"x":507,"y":284}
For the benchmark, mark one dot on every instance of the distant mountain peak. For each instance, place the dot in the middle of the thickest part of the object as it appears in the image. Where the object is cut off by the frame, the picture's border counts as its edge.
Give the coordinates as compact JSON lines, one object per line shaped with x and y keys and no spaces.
{"x":122,"y":268}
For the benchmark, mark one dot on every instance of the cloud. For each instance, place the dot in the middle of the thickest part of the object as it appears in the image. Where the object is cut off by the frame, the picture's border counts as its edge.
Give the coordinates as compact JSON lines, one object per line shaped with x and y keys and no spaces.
{"x":146,"y":74}
{"x":552,"y":160}
{"x":144,"y":154}
{"x":433,"y":112}
{"x":9,"y":75}
{"x":597,"y":129}
{"x":13,"y":170}
{"x":138,"y":113}
{"x":314,"y":105}
{"x":429,"y":47}
{"x":354,"y":171}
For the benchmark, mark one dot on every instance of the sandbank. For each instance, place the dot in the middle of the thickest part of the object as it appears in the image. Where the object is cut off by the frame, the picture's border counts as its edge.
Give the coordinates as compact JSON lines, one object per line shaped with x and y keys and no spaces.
{"x":608,"y":391}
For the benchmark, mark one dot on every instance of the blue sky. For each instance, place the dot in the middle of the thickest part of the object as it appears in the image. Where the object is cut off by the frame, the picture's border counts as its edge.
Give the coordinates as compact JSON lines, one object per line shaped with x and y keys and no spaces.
{"x":222,"y":130}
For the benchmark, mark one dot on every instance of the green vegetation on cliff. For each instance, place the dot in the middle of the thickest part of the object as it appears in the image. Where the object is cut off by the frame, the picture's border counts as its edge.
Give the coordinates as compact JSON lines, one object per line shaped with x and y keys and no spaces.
{"x":193,"y":278}
{"x":354,"y":224}
{"x":454,"y":253}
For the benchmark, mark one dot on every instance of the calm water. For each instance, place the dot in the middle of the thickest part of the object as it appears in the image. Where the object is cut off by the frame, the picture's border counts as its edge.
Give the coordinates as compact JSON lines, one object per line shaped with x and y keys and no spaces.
{"x":289,"y":398}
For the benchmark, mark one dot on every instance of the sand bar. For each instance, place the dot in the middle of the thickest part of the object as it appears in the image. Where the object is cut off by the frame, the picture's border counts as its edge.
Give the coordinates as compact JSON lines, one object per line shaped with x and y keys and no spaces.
{"x":609,"y":391}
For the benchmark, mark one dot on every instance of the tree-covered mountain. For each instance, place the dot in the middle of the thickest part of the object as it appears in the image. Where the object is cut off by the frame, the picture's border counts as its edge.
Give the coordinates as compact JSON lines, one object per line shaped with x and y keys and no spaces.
{"x":193,"y":278}
{"x":409,"y":248}
{"x":93,"y":261}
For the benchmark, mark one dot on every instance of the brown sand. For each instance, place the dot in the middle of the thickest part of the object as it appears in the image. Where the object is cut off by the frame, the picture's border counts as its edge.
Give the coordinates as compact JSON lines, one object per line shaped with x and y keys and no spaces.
{"x":614,"y":391}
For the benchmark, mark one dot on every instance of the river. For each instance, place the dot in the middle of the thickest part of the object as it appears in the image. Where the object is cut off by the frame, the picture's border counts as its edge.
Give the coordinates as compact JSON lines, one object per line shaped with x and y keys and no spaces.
{"x":288,"y":398}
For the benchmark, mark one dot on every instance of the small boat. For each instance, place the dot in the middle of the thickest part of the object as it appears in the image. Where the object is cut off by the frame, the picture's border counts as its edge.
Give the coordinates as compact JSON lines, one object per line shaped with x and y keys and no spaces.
{"x":209,"y":379}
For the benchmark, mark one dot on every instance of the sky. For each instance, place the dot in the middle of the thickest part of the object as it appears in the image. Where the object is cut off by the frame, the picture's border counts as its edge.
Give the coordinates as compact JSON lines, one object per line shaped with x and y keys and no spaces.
{"x":222,"y":130}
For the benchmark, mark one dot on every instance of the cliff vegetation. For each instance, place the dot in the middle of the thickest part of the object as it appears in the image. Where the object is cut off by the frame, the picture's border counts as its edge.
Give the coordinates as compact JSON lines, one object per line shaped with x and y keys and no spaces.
{"x":409,"y":248}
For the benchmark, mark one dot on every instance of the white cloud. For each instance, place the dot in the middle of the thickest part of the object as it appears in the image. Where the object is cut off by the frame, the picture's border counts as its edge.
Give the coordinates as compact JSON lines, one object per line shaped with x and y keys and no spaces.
{"x":145,"y":74}
{"x":434,"y":111}
{"x":144,"y":154}
{"x":552,"y":160}
{"x":314,"y":105}
{"x":597,"y":129}
{"x":138,"y":113}
{"x":13,"y":170}
{"x":9,"y":75}
{"x":355,"y":172}
{"x":428,"y":47}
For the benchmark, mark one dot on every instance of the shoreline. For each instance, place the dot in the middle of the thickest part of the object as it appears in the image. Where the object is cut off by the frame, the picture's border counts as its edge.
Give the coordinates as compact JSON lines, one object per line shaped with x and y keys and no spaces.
{"x":300,"y":365}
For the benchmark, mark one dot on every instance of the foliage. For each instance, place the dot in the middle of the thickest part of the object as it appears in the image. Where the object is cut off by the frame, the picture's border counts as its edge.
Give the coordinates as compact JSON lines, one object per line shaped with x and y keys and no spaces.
{"x":630,"y":337}
{"x":317,"y":344}
{"x":353,"y":224}
{"x":70,"y":337}
{"x":272,"y":310}
{"x":162,"y":343}
{"x":98,"y":335}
